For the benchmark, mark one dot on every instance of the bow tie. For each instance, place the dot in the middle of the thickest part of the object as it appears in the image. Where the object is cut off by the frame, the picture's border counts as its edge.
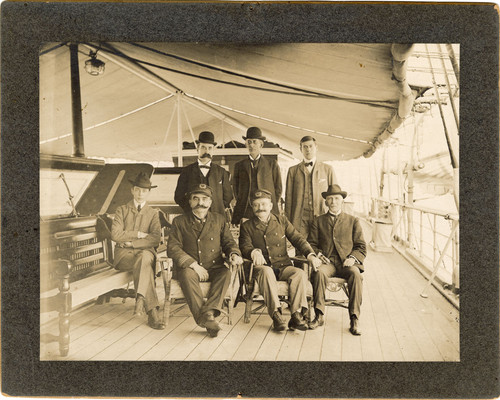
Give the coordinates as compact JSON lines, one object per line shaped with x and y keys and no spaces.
{"x":204,"y":166}
{"x":139,"y":208}
{"x":309,"y":164}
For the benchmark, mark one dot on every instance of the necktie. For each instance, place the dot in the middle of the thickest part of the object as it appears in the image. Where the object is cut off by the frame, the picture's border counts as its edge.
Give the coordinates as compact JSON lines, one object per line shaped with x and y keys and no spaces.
{"x":254,"y":163}
{"x":309,"y":164}
{"x":204,"y":166}
{"x":139,"y":208}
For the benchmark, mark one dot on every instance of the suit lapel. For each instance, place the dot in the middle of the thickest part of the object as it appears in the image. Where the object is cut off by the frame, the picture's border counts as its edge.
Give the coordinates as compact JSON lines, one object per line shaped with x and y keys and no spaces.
{"x":207,"y":228}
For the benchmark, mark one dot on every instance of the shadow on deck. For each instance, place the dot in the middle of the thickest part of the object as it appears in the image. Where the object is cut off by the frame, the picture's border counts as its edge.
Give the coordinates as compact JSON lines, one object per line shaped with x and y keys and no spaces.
{"x":397,"y":325}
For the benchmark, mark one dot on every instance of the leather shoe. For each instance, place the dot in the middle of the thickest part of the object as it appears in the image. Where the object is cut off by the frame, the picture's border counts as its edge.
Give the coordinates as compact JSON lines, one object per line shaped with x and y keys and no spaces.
{"x":354,"y":329}
{"x":139,"y":306}
{"x":154,"y":320}
{"x":210,"y":323}
{"x":318,"y":320}
{"x":297,"y":322}
{"x":278,"y":323}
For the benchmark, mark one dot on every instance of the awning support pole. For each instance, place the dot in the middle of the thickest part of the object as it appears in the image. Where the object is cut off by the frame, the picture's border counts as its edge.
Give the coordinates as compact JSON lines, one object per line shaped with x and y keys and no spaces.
{"x":450,"y":93}
{"x":179,"y":131}
{"x":76,"y":103}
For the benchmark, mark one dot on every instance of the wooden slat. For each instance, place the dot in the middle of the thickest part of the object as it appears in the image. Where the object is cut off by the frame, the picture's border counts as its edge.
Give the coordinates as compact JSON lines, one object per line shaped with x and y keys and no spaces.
{"x":83,"y":260}
{"x":249,"y":347}
{"x":332,"y":338}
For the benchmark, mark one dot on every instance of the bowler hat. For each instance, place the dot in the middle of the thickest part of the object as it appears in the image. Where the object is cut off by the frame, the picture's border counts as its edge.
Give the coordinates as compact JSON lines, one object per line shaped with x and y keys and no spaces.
{"x":201,"y":189}
{"x":206,"y":137}
{"x":142,"y":181}
{"x":261,"y":194}
{"x":334,"y":189}
{"x":254,"y":133}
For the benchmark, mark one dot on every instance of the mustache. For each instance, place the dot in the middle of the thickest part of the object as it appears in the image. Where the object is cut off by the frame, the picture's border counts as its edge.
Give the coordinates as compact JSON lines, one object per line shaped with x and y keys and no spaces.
{"x":200,"y":206}
{"x":206,"y":155}
{"x":260,"y":211}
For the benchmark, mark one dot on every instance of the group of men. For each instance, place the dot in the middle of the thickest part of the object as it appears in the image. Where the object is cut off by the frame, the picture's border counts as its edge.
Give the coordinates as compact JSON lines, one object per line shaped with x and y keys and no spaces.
{"x":202,"y":247}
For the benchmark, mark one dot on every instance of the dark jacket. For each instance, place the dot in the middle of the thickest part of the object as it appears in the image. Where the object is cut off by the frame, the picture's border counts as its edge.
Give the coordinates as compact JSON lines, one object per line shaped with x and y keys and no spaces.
{"x":322,"y":176}
{"x":268,"y":177}
{"x":186,"y":245}
{"x":346,"y":237}
{"x":218,"y":179}
{"x":271,"y":239}
{"x":128,"y":221}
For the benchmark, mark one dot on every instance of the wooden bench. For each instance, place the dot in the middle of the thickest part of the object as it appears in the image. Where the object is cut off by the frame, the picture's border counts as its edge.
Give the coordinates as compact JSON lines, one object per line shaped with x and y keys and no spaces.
{"x":75,"y":267}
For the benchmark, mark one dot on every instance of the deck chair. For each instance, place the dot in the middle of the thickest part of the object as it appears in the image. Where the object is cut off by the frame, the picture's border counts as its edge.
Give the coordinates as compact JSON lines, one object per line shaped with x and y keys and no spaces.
{"x":173,"y":291}
{"x":251,"y":288}
{"x":333,"y":285}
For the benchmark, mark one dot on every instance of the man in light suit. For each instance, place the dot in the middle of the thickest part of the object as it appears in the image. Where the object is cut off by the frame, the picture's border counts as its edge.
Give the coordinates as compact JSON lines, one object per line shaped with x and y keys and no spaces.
{"x":206,"y":172}
{"x":136,"y":231}
{"x":304,"y":184}
{"x":337,"y":238}
{"x":196,"y":245}
{"x":252,"y":173}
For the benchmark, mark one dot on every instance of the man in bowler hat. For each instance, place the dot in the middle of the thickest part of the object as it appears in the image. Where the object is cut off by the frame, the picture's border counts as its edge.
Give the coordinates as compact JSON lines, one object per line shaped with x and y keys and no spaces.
{"x":206,"y":172}
{"x":197,"y":242}
{"x":304,"y":184}
{"x":337,"y":238}
{"x":263,"y":240}
{"x":252,"y":173}
{"x":136,"y":231}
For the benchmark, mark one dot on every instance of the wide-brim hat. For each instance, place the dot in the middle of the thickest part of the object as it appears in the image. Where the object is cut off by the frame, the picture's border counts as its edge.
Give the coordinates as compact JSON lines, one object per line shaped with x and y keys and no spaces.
{"x":206,"y":137}
{"x":142,"y":181}
{"x":254,"y":133}
{"x":201,"y":189}
{"x":332,"y":190}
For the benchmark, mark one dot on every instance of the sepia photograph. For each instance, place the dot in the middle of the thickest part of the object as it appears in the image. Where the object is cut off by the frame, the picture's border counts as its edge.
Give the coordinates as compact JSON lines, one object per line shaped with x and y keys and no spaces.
{"x":271,"y":202}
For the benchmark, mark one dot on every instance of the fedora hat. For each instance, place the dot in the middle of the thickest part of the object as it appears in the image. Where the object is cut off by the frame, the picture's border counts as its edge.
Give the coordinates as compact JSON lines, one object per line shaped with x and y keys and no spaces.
{"x":142,"y":181}
{"x":202,"y":189}
{"x":254,"y":133}
{"x":206,"y":137}
{"x":334,"y":189}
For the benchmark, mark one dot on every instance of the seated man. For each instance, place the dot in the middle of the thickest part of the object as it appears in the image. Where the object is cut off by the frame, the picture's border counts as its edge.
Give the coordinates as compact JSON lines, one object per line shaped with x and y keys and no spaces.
{"x":337,"y":238}
{"x":196,"y":244}
{"x":136,"y":231}
{"x":263,"y":240}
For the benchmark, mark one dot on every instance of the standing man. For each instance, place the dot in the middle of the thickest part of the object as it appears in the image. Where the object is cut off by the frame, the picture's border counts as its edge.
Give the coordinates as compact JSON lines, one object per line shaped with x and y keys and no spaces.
{"x":337,"y":238}
{"x":136,"y":231}
{"x":206,"y":172}
{"x":196,"y":244}
{"x":252,"y":173}
{"x":263,"y":240}
{"x":304,"y":184}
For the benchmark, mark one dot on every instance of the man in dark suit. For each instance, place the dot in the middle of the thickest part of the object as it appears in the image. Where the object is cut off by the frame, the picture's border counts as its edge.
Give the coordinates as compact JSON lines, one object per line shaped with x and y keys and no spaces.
{"x":196,"y":245}
{"x":252,"y":173}
{"x":337,"y":238}
{"x":304,"y":184}
{"x":205,"y":171}
{"x":263,"y":240}
{"x":136,"y":231}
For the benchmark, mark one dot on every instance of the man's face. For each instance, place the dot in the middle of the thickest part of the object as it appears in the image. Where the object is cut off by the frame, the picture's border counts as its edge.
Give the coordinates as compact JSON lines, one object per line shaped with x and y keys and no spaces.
{"x":140,"y":194}
{"x":205,"y":150}
{"x":334,"y":203}
{"x":254,"y":145}
{"x":200,"y":202}
{"x":262,"y":208}
{"x":309,"y":149}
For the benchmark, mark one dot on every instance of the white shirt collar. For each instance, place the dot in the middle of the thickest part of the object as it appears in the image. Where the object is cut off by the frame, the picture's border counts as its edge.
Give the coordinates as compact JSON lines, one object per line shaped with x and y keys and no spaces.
{"x":313,"y":161}
{"x":208,"y":164}
{"x":136,"y":204}
{"x":254,"y":159}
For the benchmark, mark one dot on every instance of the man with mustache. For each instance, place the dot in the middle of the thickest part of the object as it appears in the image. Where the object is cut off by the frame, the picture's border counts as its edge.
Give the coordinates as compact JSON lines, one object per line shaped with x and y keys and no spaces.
{"x":197,"y":242}
{"x":136,"y":232}
{"x":252,"y":173}
{"x":206,"y":172}
{"x":263,"y":240}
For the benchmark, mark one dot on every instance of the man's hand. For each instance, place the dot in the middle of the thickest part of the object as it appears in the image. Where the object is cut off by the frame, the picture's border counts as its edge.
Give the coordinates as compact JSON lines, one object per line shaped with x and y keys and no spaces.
{"x":202,"y":272}
{"x":141,"y":235}
{"x":258,"y":257}
{"x":314,"y":261}
{"x":127,"y":244}
{"x":323,"y":259}
{"x":235,"y":259}
{"x":349,"y":262}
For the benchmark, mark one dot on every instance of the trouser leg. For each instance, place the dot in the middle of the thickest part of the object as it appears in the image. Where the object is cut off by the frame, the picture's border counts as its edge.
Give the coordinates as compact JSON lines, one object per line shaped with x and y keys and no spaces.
{"x":355,"y":285}
{"x":268,"y":287}
{"x":190,"y":285}
{"x":297,"y":281}
{"x":141,"y":264}
{"x":220,"y":279}
{"x":319,"y":282}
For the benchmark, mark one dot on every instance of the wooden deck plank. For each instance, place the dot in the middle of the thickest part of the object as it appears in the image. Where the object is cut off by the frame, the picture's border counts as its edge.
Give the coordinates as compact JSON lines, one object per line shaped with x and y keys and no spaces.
{"x":208,"y":345}
{"x":252,"y":342}
{"x":332,"y":337}
{"x":290,"y":348}
{"x":351,"y":345}
{"x":312,"y":345}
{"x":370,"y":341}
{"x":270,"y":346}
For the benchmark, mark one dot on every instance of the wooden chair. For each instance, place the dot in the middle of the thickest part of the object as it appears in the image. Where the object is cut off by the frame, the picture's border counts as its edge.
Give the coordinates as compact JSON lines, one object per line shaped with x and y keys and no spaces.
{"x":252,"y":292}
{"x":173,"y":291}
{"x":334,"y":285}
